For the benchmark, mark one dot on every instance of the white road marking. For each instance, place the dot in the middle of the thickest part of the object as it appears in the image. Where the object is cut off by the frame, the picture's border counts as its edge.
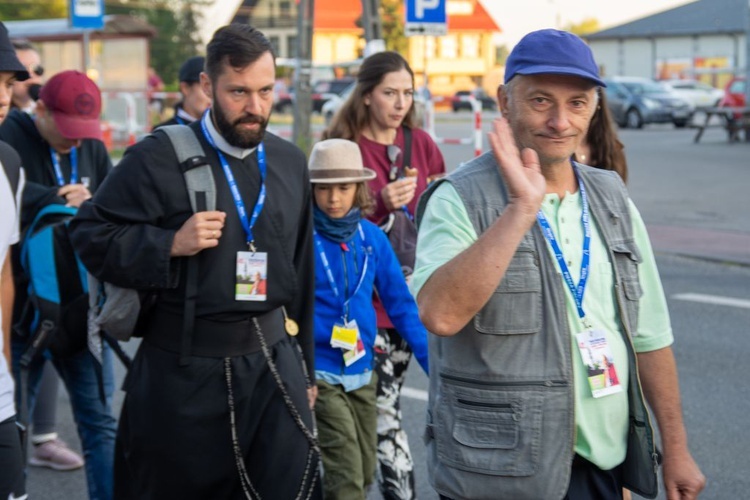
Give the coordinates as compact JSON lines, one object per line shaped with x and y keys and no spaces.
{"x":410,"y":392}
{"x":713,"y":299}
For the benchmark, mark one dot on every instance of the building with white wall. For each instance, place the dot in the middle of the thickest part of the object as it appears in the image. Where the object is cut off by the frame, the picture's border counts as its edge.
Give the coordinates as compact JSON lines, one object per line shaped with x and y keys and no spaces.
{"x":704,"y":40}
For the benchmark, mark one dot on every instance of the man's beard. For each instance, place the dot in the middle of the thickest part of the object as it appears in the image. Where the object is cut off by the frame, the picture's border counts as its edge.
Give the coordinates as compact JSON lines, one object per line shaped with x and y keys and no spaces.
{"x":236,"y":135}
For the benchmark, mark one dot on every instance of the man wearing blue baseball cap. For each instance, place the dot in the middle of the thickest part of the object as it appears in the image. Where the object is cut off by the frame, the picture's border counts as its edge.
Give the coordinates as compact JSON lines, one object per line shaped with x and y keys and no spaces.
{"x":536,"y":277}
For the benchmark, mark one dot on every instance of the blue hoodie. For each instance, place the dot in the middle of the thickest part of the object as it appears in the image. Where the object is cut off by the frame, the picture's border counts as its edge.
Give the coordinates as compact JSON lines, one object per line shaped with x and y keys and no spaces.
{"x":384,"y":274}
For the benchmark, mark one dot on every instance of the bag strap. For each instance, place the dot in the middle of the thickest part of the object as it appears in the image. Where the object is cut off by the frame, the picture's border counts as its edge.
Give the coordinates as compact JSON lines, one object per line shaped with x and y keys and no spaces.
{"x":12,"y":166}
{"x":407,"y":147}
{"x":202,"y":192}
{"x":194,"y":165}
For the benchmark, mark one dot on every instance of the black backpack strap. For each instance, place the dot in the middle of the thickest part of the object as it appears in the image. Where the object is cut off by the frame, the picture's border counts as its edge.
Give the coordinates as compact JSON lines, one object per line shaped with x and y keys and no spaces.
{"x":202,"y":192}
{"x":12,"y":166}
{"x":407,"y":148}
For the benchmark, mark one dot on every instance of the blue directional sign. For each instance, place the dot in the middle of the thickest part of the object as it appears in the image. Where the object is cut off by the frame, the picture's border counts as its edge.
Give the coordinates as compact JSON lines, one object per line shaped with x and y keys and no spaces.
{"x":87,"y":14}
{"x":426,"y":17}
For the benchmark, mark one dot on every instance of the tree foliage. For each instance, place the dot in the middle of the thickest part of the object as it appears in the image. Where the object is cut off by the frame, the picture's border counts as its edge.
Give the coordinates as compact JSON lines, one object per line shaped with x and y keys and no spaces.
{"x":392,"y":17}
{"x":585,"y":27}
{"x":15,"y":10}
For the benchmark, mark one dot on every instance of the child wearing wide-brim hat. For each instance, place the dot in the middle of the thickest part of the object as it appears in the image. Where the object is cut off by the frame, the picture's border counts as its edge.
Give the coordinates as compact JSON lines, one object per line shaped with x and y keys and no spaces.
{"x":353,"y":259}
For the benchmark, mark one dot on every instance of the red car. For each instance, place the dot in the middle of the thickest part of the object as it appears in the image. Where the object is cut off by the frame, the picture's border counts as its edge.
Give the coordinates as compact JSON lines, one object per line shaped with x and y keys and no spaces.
{"x":734,"y":94}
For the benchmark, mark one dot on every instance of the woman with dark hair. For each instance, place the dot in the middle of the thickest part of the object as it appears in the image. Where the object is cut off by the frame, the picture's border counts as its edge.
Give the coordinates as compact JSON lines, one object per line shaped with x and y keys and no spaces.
{"x":602,"y":148}
{"x":379,"y":117}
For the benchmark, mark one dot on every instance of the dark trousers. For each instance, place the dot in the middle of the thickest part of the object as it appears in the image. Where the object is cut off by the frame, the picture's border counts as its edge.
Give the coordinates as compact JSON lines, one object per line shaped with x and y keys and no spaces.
{"x":589,"y":482}
{"x":12,"y":477}
{"x":175,"y":439}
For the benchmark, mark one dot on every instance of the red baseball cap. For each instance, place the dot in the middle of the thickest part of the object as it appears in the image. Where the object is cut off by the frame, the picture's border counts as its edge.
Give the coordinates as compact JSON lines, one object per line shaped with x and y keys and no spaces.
{"x":76,"y":103}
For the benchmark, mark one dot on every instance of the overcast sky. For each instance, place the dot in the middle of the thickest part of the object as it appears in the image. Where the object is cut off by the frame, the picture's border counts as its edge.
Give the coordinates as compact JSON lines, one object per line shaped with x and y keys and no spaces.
{"x":518,"y":17}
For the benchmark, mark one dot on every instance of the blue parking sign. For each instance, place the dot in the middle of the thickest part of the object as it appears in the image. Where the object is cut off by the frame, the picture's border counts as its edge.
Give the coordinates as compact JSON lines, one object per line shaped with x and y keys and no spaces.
{"x":425,"y":17}
{"x":87,"y":14}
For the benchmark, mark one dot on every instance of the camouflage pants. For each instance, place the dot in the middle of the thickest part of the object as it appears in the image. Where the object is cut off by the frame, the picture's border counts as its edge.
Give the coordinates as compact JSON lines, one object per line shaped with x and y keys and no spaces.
{"x":395,"y":466}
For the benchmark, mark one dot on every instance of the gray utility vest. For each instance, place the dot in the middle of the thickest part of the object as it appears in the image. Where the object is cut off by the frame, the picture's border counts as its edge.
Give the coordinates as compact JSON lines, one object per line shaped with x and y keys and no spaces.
{"x":500,"y":422}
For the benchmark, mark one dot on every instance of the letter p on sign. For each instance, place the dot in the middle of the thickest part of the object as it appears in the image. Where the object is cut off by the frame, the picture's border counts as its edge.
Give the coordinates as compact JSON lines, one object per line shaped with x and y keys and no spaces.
{"x":422,"y":5}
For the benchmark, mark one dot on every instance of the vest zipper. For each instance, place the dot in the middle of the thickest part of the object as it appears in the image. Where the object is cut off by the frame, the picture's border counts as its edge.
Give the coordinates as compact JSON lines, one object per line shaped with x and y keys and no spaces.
{"x":484,"y":405}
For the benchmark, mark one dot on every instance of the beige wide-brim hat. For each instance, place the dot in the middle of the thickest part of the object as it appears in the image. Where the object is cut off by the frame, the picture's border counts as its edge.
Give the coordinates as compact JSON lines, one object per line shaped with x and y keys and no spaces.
{"x":338,"y":161}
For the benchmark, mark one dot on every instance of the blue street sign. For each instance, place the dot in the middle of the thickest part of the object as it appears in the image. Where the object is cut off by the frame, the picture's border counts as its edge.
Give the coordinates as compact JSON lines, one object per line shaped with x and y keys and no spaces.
{"x":426,"y":17}
{"x":87,"y":14}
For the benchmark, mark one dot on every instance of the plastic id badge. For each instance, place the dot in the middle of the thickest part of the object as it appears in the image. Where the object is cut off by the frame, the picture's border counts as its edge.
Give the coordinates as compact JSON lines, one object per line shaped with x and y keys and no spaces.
{"x":345,"y":336}
{"x":251,"y":276}
{"x":350,"y":357}
{"x":599,"y":362}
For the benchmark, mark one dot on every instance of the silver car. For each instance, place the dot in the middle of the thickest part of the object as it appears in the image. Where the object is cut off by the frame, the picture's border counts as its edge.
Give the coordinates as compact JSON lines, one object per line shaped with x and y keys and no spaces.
{"x":635,"y":101}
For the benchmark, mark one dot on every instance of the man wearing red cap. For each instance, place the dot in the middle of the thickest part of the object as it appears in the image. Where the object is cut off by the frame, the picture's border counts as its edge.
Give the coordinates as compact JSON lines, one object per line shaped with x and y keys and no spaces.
{"x":65,"y":161}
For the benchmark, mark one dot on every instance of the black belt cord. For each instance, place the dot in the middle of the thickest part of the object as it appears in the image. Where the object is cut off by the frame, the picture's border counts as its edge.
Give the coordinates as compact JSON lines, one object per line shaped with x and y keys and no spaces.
{"x":247,"y":487}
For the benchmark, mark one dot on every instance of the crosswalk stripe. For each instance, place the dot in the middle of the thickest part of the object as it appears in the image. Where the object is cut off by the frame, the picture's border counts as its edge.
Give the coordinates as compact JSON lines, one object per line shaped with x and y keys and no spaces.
{"x":410,"y":392}
{"x":713,"y":299}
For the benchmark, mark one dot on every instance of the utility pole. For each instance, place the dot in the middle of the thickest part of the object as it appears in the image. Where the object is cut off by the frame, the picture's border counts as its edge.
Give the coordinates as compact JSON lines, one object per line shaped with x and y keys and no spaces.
{"x":747,"y":61}
{"x":371,"y":20}
{"x":302,"y":85}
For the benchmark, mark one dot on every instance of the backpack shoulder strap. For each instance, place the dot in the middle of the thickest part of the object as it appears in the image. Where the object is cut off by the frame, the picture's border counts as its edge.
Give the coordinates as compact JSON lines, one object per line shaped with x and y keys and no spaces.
{"x":407,"y":147}
{"x":12,"y":166}
{"x":194,"y":165}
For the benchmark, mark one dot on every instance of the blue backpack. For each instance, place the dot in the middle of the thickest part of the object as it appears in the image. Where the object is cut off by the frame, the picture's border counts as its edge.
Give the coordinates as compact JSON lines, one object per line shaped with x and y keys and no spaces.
{"x":58,"y":290}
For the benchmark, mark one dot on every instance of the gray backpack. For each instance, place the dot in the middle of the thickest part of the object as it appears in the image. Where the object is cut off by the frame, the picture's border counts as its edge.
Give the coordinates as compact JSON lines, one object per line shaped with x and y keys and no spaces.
{"x":119,"y":312}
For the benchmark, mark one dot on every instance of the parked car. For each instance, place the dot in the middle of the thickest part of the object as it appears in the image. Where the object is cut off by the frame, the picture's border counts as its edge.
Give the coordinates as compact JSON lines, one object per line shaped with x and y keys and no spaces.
{"x":324,"y":90}
{"x":488,"y":103}
{"x":634,"y":101}
{"x":284,"y":102}
{"x":734,"y":93}
{"x":332,"y":106}
{"x":698,"y":94}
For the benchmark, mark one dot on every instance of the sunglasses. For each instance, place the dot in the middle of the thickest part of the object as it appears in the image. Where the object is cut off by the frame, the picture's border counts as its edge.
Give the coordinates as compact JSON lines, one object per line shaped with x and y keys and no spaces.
{"x":38,"y":70}
{"x":394,"y":152}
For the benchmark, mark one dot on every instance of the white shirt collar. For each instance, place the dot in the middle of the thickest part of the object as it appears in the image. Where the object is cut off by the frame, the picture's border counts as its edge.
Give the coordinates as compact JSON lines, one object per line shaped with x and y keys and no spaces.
{"x":185,"y":115}
{"x":221,"y":143}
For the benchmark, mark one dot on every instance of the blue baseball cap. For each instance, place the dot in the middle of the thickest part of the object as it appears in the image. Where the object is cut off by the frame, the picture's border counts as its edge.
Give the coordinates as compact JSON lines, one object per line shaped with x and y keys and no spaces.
{"x":552,"y":52}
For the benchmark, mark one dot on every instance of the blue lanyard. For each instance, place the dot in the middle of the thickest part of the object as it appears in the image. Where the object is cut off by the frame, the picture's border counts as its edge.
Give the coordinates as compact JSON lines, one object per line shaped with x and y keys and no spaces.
{"x":247,"y":225}
{"x":332,"y":280}
{"x":578,"y":291}
{"x":179,"y":120}
{"x":73,"y":167}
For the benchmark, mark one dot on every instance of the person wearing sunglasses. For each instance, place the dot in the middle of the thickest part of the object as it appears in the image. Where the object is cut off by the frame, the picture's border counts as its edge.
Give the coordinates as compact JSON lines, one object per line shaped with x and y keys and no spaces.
{"x":26,"y":93}
{"x":379,"y":116}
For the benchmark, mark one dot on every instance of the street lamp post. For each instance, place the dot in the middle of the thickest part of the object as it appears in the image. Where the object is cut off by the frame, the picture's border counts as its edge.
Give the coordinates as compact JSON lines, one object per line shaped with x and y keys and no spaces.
{"x":302,"y":86}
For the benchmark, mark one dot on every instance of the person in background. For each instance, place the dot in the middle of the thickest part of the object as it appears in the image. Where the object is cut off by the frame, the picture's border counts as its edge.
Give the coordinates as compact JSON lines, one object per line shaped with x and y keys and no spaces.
{"x":12,"y":476}
{"x":601,"y":148}
{"x":65,"y":162}
{"x":25,"y":93}
{"x":48,"y":450}
{"x":377,"y":115}
{"x":501,"y":243}
{"x":194,"y":101}
{"x":354,"y":258}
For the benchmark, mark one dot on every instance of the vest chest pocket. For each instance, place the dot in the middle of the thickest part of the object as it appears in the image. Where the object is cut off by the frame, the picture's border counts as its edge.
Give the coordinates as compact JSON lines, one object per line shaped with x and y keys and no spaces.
{"x":516,"y":305}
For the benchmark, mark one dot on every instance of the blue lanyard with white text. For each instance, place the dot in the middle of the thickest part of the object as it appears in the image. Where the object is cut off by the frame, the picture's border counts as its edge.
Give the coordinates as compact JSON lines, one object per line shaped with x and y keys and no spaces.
{"x":329,"y":273}
{"x":247,"y":225}
{"x":73,"y":167}
{"x":578,"y":291}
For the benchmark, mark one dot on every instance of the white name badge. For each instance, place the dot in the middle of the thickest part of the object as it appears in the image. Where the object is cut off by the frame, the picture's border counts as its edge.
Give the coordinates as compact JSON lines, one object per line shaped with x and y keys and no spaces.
{"x":599,"y":362}
{"x":251,"y":277}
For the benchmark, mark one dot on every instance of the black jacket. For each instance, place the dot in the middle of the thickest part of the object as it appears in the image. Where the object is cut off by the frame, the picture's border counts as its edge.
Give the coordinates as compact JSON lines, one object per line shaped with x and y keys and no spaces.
{"x":125,"y":233}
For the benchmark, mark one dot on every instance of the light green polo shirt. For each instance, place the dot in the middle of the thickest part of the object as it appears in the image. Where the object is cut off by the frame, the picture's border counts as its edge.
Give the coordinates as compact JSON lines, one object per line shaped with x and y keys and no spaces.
{"x":601,"y":423}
